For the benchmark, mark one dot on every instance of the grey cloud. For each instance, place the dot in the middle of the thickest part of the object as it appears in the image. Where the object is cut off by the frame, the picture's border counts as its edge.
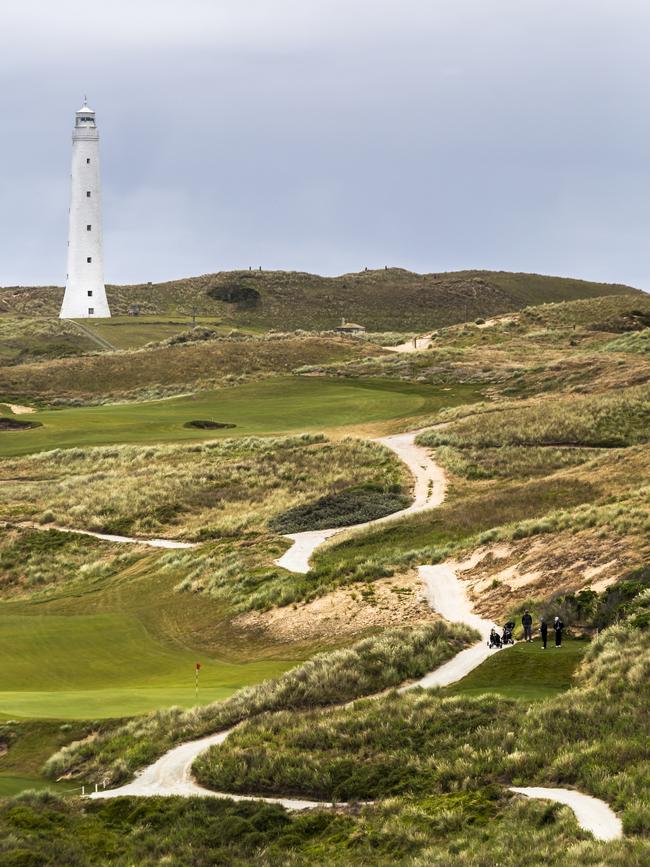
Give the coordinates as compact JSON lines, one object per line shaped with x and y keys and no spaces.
{"x":327,"y":135}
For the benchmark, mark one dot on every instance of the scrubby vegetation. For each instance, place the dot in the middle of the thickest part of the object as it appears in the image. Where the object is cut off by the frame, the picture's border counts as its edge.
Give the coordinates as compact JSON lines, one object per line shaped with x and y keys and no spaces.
{"x":37,"y":560}
{"x":25,"y":338}
{"x":202,"y":365}
{"x":638,"y":341}
{"x":10,"y":423}
{"x":203,"y":491}
{"x":611,"y":421}
{"x":469,"y":830}
{"x":626,"y":600}
{"x":373,"y":664}
{"x":555,"y":456}
{"x":593,"y":737}
{"x":343,"y":509}
{"x":290,"y":299}
{"x":401,"y":744}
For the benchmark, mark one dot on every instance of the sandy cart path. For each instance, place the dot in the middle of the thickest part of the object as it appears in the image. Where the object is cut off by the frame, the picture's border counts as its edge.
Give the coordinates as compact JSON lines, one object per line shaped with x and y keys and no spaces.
{"x":429,"y":492}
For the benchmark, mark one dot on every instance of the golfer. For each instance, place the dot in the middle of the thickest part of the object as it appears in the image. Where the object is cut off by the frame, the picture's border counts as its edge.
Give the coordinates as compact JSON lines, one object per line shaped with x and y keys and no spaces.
{"x":543,"y":631}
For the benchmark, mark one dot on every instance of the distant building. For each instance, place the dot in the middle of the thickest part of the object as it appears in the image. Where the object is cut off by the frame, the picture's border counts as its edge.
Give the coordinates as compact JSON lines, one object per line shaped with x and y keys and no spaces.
{"x":85,"y":295}
{"x":350,"y":328}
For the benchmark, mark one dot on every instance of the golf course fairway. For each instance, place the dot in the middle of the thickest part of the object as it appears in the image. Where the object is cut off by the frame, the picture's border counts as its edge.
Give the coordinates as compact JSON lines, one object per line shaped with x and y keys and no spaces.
{"x":274,"y":406}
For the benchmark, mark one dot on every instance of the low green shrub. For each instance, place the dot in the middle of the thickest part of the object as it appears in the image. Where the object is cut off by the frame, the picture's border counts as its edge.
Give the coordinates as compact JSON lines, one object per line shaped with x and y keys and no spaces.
{"x":341,"y":509}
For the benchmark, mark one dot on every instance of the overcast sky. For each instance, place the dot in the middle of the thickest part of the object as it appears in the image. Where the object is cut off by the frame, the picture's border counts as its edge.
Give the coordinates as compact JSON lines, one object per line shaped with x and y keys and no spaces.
{"x":330,"y":135}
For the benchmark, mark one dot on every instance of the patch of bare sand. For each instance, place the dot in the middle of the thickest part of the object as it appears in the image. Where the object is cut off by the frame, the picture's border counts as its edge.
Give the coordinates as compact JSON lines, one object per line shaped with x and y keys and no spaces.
{"x":17,"y":409}
{"x":392,"y":601}
{"x":503,"y":576}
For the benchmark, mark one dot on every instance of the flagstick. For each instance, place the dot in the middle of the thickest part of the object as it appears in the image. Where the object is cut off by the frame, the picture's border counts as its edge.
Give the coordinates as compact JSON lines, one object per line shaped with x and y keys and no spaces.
{"x":196,"y":683}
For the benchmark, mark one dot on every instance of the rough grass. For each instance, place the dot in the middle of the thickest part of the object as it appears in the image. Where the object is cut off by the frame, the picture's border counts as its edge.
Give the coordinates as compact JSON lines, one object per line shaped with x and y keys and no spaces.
{"x":27,"y":339}
{"x":34,"y":561}
{"x":467,"y":829}
{"x":512,"y":462}
{"x":593,"y":737}
{"x":413,"y":744}
{"x":609,"y":313}
{"x":635,"y":342}
{"x":210,"y":490}
{"x":615,"y":420}
{"x":383,"y":300}
{"x":370,"y":665}
{"x":201,"y":365}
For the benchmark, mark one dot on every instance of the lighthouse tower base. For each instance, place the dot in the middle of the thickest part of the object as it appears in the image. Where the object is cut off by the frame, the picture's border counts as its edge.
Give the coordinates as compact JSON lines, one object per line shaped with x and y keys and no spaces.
{"x":77,"y":304}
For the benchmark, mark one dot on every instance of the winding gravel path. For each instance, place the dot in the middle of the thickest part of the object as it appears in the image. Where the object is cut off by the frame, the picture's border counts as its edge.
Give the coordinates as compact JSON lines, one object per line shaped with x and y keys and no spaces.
{"x":172,"y":773}
{"x":106,"y":537}
{"x":592,"y":814}
{"x":429,"y":492}
{"x":446,"y":593}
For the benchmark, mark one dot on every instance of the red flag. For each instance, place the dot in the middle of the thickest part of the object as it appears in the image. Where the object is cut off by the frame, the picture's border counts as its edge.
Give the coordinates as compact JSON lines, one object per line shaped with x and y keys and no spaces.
{"x":198,"y":666}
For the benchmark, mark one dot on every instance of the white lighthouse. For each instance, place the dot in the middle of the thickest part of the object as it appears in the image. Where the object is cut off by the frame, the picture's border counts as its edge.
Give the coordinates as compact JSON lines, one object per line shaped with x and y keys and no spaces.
{"x":85,"y":294}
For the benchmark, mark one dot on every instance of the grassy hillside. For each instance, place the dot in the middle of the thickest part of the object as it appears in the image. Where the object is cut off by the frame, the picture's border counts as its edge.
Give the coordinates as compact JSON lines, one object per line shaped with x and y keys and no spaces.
{"x":384,"y":300}
{"x":167,"y":369}
{"x":546,"y":448}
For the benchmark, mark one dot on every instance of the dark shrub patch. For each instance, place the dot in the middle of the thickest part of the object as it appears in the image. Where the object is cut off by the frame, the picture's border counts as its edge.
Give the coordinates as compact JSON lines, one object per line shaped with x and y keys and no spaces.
{"x":598,"y":610}
{"x":206,"y":424}
{"x":235,"y":293}
{"x":343,"y":509}
{"x":7,"y":423}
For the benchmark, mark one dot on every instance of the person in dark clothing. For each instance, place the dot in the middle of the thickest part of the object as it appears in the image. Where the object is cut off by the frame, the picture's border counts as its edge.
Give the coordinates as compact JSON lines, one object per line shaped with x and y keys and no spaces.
{"x":495,"y":638}
{"x":558,"y":626}
{"x":543,"y":629}
{"x":527,"y":623}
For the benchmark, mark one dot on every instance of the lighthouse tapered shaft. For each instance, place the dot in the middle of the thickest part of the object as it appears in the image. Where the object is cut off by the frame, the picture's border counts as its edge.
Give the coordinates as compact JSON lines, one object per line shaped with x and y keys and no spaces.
{"x":85,"y":294}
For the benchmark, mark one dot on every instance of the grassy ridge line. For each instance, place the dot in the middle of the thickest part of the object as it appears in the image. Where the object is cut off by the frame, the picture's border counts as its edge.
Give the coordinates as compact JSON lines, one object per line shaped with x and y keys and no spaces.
{"x":371,"y":665}
{"x":200,"y":364}
{"x":290,"y":299}
{"x":606,"y":421}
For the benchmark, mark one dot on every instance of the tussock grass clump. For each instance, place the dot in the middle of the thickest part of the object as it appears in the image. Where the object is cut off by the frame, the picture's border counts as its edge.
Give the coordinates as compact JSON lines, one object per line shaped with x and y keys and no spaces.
{"x":36,"y":560}
{"x":416,"y":743}
{"x":595,"y":737}
{"x":466,"y":829}
{"x":614,"y":420}
{"x":512,"y":462}
{"x":370,"y":665}
{"x":637,"y":341}
{"x":613,"y":313}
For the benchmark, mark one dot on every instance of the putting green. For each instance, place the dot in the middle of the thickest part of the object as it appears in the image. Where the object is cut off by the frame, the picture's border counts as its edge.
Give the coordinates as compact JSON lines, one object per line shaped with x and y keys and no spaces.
{"x":525,"y":671}
{"x":106,"y":665}
{"x":279,"y":405}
